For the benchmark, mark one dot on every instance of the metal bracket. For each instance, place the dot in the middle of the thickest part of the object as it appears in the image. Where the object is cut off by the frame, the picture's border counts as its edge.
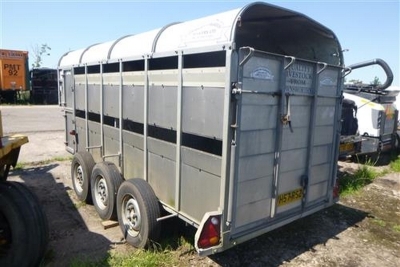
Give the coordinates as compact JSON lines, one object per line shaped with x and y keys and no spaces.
{"x":285,"y":118}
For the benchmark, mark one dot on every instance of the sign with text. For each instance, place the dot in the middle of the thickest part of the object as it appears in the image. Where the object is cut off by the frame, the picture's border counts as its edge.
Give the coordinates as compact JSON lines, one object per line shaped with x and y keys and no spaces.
{"x":299,"y":79}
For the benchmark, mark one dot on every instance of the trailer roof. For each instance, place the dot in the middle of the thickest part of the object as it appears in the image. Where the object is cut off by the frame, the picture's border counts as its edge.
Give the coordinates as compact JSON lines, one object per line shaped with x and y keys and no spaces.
{"x":247,"y":26}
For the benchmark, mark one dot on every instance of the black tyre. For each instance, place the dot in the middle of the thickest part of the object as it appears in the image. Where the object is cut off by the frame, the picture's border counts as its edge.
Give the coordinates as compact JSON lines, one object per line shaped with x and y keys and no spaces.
{"x":42,"y":226}
{"x":396,"y":146}
{"x":138,"y":209}
{"x":105,"y":181}
{"x":23,"y":226}
{"x":81,"y":169}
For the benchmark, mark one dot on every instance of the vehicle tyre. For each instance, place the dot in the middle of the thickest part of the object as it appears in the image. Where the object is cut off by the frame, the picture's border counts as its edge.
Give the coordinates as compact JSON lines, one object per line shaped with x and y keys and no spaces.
{"x":42,"y":228}
{"x":396,"y":148}
{"x":81,"y":170}
{"x":105,"y":181}
{"x":138,"y":209}
{"x":23,"y":232}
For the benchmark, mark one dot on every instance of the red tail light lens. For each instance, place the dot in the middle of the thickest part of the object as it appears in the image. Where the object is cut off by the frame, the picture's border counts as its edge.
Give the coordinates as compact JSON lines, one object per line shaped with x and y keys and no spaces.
{"x":210,"y":235}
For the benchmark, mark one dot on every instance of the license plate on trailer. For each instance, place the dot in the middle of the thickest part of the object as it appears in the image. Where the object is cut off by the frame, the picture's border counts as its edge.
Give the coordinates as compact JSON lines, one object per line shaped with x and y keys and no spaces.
{"x":346,"y":147}
{"x":290,"y":197}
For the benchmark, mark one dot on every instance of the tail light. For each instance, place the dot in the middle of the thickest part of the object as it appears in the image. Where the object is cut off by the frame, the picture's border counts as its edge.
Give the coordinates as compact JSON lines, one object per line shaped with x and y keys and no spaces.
{"x":210,"y":234}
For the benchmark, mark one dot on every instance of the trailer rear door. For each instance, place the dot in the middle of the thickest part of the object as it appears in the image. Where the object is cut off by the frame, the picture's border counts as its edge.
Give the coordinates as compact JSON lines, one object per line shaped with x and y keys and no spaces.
{"x":286,"y":139}
{"x":67,"y":96}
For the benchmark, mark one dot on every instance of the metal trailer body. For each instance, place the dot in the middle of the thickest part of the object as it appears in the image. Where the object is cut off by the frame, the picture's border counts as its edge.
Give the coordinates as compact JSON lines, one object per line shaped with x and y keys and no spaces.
{"x":232,"y":119}
{"x":14,"y":76}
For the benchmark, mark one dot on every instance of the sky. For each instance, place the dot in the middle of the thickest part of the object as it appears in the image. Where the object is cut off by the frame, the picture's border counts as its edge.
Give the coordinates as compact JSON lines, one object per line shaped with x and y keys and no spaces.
{"x":366,"y":29}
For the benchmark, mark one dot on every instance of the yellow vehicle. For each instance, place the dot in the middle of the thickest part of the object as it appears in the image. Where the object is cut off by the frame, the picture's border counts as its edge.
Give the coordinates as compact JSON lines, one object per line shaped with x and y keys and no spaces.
{"x":24,"y":230}
{"x":14,"y":74}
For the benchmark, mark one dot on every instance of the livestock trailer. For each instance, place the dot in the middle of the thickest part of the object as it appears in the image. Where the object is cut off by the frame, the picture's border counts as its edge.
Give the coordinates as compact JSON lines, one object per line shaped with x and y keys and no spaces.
{"x":230,"y":122}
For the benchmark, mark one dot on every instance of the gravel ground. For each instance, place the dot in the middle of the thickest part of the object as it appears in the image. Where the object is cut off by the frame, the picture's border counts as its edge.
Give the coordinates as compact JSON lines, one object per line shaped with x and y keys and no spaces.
{"x":358,"y":231}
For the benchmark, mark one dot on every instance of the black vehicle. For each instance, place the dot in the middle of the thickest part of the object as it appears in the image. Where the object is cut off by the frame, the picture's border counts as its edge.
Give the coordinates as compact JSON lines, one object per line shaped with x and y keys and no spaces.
{"x":44,"y":86}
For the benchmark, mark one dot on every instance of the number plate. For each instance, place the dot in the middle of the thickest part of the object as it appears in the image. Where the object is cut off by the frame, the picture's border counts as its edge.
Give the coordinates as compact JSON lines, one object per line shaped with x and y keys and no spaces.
{"x":346,"y":147}
{"x":290,"y":197}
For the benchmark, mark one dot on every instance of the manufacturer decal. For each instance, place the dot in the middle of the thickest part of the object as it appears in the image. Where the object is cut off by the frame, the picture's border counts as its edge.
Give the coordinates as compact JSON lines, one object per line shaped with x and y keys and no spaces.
{"x":327,"y":82}
{"x":262,"y":73}
{"x":213,"y":31}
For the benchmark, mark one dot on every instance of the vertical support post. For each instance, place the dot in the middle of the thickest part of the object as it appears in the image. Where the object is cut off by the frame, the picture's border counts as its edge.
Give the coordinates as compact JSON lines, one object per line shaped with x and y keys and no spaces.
{"x":71,"y":83}
{"x":336,"y":138}
{"x":178,"y":132}
{"x":279,"y":131}
{"x":1,"y":130}
{"x":1,"y":125}
{"x":121,"y":144}
{"x":228,"y":143}
{"x":145,"y":120}
{"x":311,"y":132}
{"x":86,"y":108}
{"x":101,"y":111}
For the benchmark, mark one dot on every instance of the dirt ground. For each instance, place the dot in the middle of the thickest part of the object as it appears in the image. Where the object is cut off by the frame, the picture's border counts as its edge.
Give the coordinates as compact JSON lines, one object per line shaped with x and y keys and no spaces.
{"x":361,"y":230}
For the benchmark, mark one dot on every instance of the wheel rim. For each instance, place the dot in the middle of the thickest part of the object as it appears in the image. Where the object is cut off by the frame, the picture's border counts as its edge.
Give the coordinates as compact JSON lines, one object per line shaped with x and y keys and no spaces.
{"x":131,"y":216}
{"x":101,"y":192}
{"x":79,"y":178}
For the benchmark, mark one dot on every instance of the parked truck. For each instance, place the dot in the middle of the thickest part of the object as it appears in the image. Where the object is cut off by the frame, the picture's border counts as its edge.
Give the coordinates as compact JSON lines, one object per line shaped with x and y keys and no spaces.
{"x":373,"y":129}
{"x":14,"y":74}
{"x":230,"y":122}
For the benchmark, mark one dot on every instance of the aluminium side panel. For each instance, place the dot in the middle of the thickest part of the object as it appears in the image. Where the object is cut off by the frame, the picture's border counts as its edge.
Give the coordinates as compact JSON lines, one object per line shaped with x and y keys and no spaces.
{"x":133,"y":155}
{"x":162,"y":106}
{"x":79,"y":96}
{"x":94,"y":135}
{"x":111,"y":144}
{"x":93,"y":94}
{"x":201,"y":148}
{"x":161,"y":173}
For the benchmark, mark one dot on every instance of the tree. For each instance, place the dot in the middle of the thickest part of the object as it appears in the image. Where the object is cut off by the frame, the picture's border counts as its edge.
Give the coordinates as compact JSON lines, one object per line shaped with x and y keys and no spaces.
{"x":38,"y":53}
{"x":376,"y":81}
{"x":355,"y":81}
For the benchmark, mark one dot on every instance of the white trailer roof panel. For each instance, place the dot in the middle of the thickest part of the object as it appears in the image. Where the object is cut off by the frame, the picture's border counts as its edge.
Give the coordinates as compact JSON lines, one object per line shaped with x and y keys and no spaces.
{"x":133,"y":45}
{"x":258,"y":25}
{"x":207,"y":31}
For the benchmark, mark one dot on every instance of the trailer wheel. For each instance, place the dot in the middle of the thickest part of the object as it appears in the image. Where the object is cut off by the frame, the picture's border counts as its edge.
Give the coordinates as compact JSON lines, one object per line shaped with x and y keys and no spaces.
{"x":81,"y":169}
{"x":105,"y":181}
{"x":138,"y":209}
{"x":23,"y":226}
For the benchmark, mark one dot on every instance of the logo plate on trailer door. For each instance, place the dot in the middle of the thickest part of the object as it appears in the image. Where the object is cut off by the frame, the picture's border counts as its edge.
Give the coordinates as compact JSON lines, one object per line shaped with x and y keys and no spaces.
{"x":290,"y":197}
